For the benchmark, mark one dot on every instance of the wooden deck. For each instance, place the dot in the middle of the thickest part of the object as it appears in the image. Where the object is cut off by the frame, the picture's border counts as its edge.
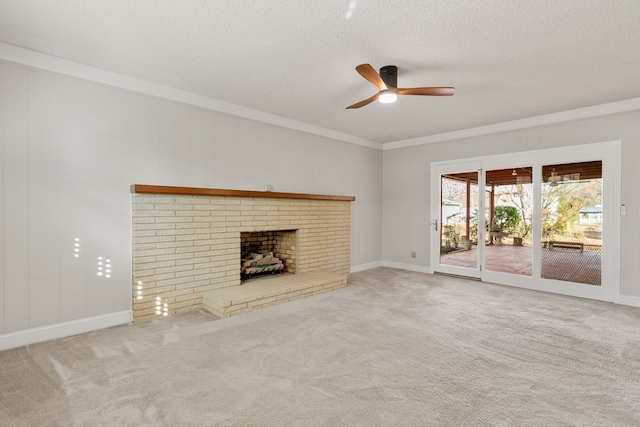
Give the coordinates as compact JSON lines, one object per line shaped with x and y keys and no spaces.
{"x":561,"y":264}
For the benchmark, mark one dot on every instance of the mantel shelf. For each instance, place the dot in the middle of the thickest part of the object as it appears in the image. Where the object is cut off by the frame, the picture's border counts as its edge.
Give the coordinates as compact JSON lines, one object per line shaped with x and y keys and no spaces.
{"x":193,"y":191}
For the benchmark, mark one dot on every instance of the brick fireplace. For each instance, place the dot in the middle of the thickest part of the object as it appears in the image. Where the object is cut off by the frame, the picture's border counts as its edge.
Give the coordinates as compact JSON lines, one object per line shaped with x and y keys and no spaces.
{"x":187,"y":248}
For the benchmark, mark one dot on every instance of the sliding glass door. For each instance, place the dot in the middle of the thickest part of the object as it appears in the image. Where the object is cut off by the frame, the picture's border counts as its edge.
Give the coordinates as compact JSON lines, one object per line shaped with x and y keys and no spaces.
{"x":548,"y":224}
{"x":572,"y":219}
{"x":455,"y":226}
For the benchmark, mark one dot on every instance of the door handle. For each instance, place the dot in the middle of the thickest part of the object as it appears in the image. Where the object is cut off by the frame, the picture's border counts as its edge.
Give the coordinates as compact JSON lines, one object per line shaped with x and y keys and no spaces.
{"x":435,"y":225}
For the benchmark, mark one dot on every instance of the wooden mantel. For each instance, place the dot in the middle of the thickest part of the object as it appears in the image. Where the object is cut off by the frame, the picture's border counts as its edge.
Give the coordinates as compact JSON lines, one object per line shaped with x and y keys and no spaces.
{"x":193,"y":191}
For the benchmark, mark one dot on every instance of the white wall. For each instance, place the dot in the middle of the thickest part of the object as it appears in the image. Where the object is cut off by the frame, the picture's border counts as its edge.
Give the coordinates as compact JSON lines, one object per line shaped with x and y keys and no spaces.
{"x":406,"y":188}
{"x":70,"y":149}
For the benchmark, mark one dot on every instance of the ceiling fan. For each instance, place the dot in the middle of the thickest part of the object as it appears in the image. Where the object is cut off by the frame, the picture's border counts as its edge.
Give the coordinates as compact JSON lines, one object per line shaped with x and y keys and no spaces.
{"x":387,"y":84}
{"x":555,"y":178}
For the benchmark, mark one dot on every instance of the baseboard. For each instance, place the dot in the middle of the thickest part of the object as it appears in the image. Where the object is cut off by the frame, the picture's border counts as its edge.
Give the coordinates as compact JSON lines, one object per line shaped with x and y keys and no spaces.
{"x":59,"y":330}
{"x":629,"y":300}
{"x":410,"y":267}
{"x":368,"y":266}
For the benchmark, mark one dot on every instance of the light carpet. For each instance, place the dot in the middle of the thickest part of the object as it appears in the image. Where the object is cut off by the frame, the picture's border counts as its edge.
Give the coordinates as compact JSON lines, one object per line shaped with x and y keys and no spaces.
{"x":395,"y":348}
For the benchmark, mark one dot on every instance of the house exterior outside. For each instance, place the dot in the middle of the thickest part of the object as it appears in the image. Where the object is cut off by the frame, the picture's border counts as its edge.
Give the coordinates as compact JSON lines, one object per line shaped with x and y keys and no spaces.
{"x":591,"y":215}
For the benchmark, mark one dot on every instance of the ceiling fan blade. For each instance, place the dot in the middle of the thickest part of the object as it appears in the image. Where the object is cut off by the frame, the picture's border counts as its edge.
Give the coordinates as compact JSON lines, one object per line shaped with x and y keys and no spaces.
{"x":429,"y":91}
{"x":369,"y":73}
{"x":363,"y":103}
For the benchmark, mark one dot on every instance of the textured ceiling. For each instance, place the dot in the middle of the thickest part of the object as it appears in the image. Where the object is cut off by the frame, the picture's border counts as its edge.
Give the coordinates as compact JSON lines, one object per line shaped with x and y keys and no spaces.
{"x":507,"y":59}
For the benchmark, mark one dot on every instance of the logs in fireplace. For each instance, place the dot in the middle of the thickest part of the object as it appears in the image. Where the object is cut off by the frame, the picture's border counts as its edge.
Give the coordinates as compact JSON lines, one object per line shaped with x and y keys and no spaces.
{"x":260,"y":263}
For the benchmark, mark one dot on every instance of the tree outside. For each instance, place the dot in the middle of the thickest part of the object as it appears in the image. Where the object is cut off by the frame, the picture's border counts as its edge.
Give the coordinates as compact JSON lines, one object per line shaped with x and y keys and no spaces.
{"x":561,"y":211}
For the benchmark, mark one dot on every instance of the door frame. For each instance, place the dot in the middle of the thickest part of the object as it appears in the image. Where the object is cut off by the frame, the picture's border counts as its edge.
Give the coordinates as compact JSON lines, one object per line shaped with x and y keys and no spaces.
{"x":610,"y":154}
{"x":436,"y":170}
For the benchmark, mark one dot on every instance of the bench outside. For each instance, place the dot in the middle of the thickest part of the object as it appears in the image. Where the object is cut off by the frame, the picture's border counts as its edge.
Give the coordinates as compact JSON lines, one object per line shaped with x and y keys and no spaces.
{"x":566,"y":245}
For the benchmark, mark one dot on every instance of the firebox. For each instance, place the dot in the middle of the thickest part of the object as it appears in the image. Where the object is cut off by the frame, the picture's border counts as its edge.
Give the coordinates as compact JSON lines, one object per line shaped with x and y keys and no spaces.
{"x":267,"y":253}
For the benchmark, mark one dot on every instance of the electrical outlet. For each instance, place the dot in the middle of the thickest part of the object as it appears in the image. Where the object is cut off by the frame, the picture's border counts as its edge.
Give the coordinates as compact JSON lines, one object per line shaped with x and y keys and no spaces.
{"x":413,"y":254}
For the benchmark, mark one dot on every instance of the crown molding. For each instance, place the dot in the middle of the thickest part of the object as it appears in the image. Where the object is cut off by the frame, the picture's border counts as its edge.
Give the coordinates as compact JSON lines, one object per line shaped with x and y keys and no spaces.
{"x":547,"y":119}
{"x":29,"y":58}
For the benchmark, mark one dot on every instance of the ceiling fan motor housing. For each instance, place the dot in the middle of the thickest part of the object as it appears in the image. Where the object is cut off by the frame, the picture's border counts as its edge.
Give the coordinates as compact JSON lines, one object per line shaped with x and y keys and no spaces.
{"x":389,"y":75}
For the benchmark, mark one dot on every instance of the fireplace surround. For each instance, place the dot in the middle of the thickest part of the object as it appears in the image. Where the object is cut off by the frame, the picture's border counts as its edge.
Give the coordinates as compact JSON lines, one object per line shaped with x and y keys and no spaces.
{"x":187,"y":248}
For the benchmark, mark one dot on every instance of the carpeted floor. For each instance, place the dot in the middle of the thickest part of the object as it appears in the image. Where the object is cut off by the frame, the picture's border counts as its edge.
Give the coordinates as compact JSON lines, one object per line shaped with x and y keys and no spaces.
{"x":395,"y":348}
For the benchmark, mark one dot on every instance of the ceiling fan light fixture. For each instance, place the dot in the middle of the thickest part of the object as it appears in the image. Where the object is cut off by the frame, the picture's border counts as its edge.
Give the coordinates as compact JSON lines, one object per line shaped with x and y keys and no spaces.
{"x":388,"y":90}
{"x":387,"y":97}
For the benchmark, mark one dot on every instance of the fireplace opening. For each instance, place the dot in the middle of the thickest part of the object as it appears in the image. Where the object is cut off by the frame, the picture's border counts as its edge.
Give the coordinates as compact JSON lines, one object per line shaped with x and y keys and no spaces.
{"x":267,"y":253}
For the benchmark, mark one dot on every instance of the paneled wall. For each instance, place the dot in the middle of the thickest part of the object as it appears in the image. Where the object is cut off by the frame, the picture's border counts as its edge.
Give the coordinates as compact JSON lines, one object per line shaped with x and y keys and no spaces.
{"x":71,"y":148}
{"x":407,"y":184}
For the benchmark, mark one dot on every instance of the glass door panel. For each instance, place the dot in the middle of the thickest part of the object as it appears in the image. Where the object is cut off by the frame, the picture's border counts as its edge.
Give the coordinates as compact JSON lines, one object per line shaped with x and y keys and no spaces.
{"x":459,"y":219}
{"x":455,"y":247}
{"x":509,"y":219}
{"x":572,"y":221}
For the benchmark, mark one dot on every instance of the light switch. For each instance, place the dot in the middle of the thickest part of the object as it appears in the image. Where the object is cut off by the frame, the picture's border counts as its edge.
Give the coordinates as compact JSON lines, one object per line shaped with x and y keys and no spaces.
{"x":623,"y":209}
